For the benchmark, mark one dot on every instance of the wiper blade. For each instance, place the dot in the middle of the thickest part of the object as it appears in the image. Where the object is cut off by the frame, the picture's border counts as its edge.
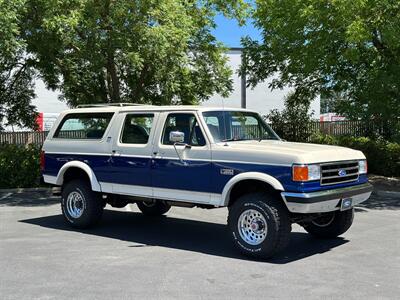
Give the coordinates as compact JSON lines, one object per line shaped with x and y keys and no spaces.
{"x":268,"y":139}
{"x":233,"y":140}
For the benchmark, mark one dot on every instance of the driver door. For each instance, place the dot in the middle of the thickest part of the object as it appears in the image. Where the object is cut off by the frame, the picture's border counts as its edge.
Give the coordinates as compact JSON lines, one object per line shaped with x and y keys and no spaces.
{"x":182,"y":172}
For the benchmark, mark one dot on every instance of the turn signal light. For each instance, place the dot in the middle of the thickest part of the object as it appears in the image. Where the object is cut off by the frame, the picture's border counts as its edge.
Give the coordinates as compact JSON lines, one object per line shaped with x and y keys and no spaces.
{"x":306,"y":172}
{"x":300,"y":173}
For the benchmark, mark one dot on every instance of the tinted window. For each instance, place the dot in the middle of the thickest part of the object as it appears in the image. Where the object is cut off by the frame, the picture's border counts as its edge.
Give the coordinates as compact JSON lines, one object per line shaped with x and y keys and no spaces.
{"x":83,"y":126}
{"x":137,"y":128}
{"x":187,"y":124}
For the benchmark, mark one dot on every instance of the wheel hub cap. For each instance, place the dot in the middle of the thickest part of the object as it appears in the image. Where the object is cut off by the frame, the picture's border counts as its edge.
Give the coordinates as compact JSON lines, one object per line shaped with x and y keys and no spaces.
{"x":252,"y":227}
{"x":75,"y":204}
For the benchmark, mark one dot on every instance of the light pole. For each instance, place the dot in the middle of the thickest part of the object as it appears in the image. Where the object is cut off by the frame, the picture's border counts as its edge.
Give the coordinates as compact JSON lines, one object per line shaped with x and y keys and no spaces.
{"x":243,"y":85}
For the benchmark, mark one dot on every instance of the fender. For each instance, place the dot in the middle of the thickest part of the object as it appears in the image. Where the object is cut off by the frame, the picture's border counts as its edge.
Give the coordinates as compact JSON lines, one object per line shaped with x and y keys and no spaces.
{"x":78,"y":164}
{"x":249,"y":175}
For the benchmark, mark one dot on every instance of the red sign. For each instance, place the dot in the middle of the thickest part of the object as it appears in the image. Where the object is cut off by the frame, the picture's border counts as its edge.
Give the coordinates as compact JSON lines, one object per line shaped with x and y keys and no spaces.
{"x":39,"y":121}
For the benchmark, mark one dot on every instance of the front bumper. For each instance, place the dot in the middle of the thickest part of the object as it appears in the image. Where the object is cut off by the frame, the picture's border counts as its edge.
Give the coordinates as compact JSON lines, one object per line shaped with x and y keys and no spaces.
{"x":325,"y":201}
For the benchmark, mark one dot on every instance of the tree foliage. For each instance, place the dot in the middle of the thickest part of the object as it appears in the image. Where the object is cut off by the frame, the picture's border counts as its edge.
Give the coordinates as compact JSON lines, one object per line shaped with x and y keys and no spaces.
{"x":152,"y":51}
{"x":145,"y":51}
{"x":292,"y":122}
{"x":16,"y":73}
{"x":327,"y":47}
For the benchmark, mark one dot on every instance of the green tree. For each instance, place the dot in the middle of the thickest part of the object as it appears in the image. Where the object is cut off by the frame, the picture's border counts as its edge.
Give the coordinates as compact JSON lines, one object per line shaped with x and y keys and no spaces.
{"x":347,"y":47}
{"x":148,"y":51}
{"x":292,"y":123}
{"x":16,"y":72}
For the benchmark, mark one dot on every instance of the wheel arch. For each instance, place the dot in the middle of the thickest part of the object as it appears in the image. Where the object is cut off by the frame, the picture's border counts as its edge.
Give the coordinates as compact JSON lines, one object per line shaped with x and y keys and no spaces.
{"x":81,"y":166}
{"x":268,"y":181}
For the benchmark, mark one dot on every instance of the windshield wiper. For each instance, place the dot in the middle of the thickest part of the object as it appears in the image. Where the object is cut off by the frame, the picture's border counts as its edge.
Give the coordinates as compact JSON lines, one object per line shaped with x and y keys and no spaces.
{"x":233,"y":140}
{"x":267,"y":139}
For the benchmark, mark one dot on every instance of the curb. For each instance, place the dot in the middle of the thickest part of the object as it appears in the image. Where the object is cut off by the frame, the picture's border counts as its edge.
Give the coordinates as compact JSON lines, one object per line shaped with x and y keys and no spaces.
{"x":22,"y":190}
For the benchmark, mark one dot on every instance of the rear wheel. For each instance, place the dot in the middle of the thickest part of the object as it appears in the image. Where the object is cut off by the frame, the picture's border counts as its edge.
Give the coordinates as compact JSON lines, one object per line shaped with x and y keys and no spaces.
{"x":81,"y":206}
{"x":330,"y":225}
{"x":259,"y":225}
{"x":153,"y":207}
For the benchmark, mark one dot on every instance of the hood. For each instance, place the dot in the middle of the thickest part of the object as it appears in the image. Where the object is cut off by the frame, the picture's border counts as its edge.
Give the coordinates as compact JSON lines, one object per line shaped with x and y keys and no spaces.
{"x":295,"y":152}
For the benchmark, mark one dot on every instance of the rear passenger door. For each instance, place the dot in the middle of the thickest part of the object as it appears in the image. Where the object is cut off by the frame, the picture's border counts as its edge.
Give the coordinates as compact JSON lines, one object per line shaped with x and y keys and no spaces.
{"x":186,"y":175}
{"x":131,"y":154}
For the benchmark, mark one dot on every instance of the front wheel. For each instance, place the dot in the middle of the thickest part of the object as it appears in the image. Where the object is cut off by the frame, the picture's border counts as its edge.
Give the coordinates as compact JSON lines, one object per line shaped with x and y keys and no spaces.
{"x":153,"y":208}
{"x":81,"y":206}
{"x":330,"y":225}
{"x":259,"y":225}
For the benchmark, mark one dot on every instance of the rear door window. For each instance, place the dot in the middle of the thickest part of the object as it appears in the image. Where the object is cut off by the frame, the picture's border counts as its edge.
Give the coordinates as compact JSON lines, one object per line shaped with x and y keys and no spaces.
{"x":137,"y":128}
{"x":84,"y":126}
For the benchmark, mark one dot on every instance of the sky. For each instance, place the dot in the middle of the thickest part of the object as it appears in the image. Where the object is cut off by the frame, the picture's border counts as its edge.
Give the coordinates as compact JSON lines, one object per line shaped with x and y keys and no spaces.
{"x":227,"y":31}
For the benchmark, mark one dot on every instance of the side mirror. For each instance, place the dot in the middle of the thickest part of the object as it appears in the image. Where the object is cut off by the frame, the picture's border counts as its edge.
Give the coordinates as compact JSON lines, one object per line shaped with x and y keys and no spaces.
{"x":176,"y":137}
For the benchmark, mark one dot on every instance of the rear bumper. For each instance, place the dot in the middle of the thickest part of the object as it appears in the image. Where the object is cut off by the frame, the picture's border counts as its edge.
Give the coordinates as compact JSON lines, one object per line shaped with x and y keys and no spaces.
{"x":324,"y":201}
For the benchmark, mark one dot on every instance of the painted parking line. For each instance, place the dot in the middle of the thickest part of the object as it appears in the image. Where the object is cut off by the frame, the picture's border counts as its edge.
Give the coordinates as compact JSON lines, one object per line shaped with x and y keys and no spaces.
{"x":5,"y":196}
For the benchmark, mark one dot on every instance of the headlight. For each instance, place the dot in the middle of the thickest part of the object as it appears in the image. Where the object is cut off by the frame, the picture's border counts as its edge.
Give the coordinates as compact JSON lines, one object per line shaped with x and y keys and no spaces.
{"x":306,"y":172}
{"x":362,"y":167}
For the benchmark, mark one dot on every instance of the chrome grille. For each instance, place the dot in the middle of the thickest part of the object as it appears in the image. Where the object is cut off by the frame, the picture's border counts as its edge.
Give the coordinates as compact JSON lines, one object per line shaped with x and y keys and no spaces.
{"x":339,"y":172}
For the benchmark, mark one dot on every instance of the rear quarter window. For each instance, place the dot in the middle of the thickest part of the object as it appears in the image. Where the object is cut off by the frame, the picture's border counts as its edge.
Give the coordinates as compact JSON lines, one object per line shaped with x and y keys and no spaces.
{"x":83,"y":126}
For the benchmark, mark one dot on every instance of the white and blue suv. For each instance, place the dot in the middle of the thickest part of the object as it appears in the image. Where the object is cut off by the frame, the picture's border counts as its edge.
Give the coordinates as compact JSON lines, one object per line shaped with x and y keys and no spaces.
{"x":160,"y":156}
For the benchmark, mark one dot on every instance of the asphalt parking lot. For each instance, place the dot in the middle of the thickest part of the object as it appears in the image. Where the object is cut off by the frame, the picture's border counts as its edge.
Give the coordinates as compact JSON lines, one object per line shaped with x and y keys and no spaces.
{"x":188,"y":254}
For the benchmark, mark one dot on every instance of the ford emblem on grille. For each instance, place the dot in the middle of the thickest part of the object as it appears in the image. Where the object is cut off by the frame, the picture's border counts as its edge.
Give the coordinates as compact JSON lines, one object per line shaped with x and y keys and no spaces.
{"x":342,"y":173}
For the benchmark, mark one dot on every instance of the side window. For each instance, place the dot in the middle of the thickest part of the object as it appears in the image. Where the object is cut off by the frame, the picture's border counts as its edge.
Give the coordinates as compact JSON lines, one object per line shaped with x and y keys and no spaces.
{"x":137,"y":128}
{"x":186,"y":123}
{"x":83,"y":126}
{"x":214,"y":127}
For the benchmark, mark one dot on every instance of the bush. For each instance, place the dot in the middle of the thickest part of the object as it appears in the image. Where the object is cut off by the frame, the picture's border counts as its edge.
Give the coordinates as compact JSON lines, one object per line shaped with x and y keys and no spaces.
{"x":383,"y":157}
{"x":19,"y":165}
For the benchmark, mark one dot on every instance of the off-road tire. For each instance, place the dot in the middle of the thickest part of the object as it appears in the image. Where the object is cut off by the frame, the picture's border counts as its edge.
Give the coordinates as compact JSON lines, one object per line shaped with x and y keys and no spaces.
{"x":331,"y":228}
{"x":277,"y":219}
{"x":154,"y":209}
{"x":92,"y":204}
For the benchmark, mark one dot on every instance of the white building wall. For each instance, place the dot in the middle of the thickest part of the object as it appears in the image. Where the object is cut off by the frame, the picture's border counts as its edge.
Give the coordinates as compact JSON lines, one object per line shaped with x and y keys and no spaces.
{"x":260,"y":99}
{"x":46,"y":100}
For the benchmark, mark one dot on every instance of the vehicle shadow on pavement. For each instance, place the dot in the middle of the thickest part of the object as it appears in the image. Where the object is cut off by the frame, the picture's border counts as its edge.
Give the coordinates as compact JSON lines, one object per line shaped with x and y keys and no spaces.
{"x":197,"y":236}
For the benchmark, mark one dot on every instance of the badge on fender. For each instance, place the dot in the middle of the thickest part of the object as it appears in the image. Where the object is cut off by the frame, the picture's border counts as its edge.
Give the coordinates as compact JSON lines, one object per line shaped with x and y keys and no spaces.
{"x":226,"y":171}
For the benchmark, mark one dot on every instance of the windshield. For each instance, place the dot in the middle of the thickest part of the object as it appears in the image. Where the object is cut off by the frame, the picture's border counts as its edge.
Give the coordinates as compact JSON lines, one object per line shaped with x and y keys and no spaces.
{"x":239,"y":126}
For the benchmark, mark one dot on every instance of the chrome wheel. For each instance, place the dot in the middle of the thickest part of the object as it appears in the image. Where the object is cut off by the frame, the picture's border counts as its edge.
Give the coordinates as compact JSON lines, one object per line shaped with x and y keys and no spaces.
{"x":324,"y":221}
{"x":252,"y":227}
{"x":75,"y":204}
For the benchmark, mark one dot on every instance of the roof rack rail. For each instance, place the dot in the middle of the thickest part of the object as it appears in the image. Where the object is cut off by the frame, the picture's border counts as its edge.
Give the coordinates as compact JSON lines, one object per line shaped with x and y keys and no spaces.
{"x":109,"y":104}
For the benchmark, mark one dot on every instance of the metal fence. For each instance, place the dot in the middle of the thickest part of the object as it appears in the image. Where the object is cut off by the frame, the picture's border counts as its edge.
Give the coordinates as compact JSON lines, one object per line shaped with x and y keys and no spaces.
{"x":356,"y":128}
{"x":387,"y":130}
{"x":336,"y":128}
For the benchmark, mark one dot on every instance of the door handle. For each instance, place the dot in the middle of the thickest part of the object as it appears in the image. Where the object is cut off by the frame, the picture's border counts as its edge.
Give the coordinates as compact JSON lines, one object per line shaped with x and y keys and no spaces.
{"x":115,"y":153}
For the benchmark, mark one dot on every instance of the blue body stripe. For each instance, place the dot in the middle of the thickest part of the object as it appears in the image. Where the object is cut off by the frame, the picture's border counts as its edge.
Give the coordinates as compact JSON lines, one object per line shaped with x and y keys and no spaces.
{"x":199,"y":176}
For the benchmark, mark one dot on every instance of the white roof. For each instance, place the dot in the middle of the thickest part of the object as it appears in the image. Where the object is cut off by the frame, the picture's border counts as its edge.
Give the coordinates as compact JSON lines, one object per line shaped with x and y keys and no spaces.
{"x":151,"y":108}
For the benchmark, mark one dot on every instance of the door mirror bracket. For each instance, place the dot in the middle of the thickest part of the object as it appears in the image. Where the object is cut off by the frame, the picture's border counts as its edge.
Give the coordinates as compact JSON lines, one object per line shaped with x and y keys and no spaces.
{"x":178,"y":138}
{"x":177,"y":152}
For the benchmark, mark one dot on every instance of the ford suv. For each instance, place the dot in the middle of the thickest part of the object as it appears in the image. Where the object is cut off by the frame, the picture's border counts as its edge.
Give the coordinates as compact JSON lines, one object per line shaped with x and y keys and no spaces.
{"x":163,"y":156}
